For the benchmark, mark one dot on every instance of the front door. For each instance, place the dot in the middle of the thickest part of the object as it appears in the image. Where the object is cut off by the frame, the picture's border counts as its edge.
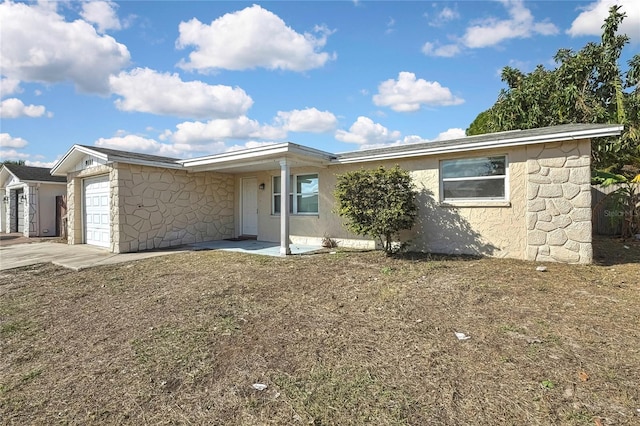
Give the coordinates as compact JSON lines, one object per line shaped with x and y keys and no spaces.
{"x":249,"y":206}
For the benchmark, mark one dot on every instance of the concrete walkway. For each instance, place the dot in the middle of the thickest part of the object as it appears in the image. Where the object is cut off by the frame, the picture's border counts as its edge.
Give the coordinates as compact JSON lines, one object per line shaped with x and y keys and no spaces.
{"x":75,"y":257}
{"x":83,"y":256}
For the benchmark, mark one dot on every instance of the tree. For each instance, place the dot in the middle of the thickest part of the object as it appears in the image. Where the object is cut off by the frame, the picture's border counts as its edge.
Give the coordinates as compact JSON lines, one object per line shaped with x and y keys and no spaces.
{"x":625,"y":198}
{"x":14,"y":162}
{"x":378,"y":203}
{"x":586,"y":87}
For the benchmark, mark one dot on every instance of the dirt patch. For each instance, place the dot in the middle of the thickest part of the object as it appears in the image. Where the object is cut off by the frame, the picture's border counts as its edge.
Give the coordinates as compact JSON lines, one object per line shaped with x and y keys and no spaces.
{"x":344,"y":338}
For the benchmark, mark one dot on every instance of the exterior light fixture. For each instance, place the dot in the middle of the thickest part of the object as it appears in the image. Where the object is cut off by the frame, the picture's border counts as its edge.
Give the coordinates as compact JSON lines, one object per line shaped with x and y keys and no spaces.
{"x":5,"y":199}
{"x":261,"y":186}
{"x":23,"y":198}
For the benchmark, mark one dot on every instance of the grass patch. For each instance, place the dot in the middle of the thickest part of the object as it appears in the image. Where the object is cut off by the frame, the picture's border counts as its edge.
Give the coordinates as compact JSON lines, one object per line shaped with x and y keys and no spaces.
{"x":347,"y":338}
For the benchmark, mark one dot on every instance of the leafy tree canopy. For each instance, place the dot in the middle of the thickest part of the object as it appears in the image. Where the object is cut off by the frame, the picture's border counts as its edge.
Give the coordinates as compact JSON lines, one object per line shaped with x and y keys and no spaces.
{"x":587,"y":86}
{"x":378,"y":203}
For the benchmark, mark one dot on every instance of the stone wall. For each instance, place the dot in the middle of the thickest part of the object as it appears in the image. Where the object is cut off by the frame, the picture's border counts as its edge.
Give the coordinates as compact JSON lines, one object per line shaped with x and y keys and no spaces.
{"x":158,"y":208}
{"x":559,"y":202}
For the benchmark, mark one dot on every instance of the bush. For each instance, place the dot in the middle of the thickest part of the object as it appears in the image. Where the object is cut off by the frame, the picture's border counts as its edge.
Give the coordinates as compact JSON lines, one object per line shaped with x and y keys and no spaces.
{"x":378,"y":203}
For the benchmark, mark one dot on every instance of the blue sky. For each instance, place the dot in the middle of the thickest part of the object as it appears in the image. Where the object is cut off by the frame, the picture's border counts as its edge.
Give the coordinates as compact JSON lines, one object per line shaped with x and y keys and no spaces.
{"x":191,"y":78}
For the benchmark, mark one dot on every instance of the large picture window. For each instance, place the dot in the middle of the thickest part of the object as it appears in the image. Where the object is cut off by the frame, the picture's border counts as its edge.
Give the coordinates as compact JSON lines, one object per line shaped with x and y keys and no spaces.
{"x":471,"y":179}
{"x":304,"y":196}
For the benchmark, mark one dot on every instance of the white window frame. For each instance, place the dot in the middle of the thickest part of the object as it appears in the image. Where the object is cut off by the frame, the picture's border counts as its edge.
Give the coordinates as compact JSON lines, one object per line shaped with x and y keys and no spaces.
{"x":484,"y":201}
{"x":293,"y":195}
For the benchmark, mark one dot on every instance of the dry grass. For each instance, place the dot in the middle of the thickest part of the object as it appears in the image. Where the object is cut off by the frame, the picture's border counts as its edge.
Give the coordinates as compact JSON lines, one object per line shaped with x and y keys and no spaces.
{"x":348,"y":338}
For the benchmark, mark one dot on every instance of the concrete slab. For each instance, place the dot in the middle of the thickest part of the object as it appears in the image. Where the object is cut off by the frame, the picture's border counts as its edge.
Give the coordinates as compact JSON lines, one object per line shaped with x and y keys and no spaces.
{"x":264,"y":248}
{"x":83,"y":256}
{"x":75,"y":257}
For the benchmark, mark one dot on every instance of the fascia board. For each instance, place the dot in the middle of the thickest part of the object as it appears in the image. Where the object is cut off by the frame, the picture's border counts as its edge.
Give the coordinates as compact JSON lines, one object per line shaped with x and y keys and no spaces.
{"x":61,"y":168}
{"x":501,"y":143}
{"x":126,"y":160}
{"x":258,"y":155}
{"x":240,"y":155}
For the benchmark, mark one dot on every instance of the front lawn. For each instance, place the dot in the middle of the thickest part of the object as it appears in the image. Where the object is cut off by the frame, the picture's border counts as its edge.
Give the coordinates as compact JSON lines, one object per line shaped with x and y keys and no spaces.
{"x":344,"y":338}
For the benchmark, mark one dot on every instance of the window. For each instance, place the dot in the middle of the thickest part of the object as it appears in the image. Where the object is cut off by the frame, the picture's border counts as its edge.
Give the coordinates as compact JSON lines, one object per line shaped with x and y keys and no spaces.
{"x":304,"y":196}
{"x":481,"y":178}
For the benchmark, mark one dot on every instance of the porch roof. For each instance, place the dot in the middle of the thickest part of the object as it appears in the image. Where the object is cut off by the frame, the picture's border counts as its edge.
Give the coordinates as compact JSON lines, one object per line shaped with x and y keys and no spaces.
{"x":266,"y":157}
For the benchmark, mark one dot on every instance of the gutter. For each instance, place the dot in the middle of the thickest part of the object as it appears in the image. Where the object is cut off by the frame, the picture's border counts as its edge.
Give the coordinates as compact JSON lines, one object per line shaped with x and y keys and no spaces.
{"x":498,"y":143}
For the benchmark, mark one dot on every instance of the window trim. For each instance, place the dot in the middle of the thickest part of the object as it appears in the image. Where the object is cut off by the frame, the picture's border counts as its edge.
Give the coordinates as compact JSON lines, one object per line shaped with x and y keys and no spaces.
{"x":293,"y":195}
{"x":475,"y":201}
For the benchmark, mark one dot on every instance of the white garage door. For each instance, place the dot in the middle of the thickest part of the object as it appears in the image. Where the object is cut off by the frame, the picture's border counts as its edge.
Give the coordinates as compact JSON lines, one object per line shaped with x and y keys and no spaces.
{"x":97,"y":211}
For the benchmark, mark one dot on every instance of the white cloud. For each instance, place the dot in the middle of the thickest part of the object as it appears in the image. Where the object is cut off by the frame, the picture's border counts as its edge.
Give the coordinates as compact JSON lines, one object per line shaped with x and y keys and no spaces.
{"x":590,"y":21}
{"x":251,"y":38}
{"x":365,"y":132}
{"x":38,"y":45}
{"x":137,"y":143}
{"x":47,"y":164}
{"x":521,"y":24}
{"x":390,"y":26}
{"x":242,"y":127}
{"x":12,"y":154}
{"x":101,"y":13}
{"x":443,"y":17}
{"x":445,"y":51}
{"x":9,"y":86}
{"x":454,"y":133}
{"x":490,"y":31}
{"x":146,"y":90}
{"x":7,"y":141}
{"x":15,"y":108}
{"x":409,"y":94}
{"x":307,"y":120}
{"x":248,"y":145}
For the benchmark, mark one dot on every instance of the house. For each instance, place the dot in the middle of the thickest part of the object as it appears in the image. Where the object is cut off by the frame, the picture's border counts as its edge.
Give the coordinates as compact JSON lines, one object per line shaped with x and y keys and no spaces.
{"x":29,"y":200}
{"x":519,"y":194}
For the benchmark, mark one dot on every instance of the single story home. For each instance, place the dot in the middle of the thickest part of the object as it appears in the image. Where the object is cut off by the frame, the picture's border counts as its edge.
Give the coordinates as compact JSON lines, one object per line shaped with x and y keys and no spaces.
{"x":522,"y":194}
{"x":29,"y":200}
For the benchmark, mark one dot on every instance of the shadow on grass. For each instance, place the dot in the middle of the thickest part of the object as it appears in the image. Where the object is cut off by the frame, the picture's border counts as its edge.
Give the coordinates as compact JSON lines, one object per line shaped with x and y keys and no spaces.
{"x":609,"y":251}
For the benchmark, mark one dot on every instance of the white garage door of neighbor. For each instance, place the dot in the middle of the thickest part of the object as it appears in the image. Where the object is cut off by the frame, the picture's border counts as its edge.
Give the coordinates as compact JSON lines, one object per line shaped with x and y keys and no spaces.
{"x":97,"y":227}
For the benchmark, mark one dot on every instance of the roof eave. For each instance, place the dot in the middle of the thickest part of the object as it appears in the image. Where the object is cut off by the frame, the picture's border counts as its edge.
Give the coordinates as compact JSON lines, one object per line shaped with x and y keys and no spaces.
{"x":263,"y":153}
{"x":613,"y":130}
{"x":62,"y":167}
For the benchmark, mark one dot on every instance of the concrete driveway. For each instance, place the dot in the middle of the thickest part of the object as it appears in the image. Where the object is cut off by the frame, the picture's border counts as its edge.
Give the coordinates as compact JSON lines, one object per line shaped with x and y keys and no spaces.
{"x":25,"y":251}
{"x":75,"y":257}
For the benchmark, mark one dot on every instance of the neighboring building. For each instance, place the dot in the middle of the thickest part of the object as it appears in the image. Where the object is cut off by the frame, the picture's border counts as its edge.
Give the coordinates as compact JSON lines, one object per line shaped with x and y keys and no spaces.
{"x":520,"y":194}
{"x":29,"y":200}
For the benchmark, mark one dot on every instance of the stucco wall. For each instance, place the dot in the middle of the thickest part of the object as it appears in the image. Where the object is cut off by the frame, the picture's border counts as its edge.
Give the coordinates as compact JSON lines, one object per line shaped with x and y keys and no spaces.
{"x":489,"y":228}
{"x":39,"y":208}
{"x":46,"y":194}
{"x":546,"y":217}
{"x":559,"y":202}
{"x":156,"y":208}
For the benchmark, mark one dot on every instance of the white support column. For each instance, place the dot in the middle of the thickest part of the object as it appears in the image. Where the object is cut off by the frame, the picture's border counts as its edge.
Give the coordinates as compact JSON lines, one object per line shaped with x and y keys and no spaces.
{"x":285,"y":189}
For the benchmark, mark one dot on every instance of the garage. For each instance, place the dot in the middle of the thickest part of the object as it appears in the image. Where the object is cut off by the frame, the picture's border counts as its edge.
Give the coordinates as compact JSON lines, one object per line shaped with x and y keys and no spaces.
{"x":97,"y":223}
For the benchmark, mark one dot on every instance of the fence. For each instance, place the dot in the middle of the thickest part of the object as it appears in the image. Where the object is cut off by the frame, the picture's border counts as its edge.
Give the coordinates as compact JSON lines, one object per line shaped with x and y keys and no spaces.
{"x":606,"y":218}
{"x":61,"y":216}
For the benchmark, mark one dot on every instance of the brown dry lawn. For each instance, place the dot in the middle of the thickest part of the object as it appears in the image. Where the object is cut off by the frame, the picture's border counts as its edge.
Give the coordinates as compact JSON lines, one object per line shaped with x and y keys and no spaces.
{"x":344,"y":338}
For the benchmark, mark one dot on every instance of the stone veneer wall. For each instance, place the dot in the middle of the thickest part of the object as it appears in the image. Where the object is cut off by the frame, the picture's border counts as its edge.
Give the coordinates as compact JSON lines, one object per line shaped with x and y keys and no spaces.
{"x":559,"y":202}
{"x":157,"y":208}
